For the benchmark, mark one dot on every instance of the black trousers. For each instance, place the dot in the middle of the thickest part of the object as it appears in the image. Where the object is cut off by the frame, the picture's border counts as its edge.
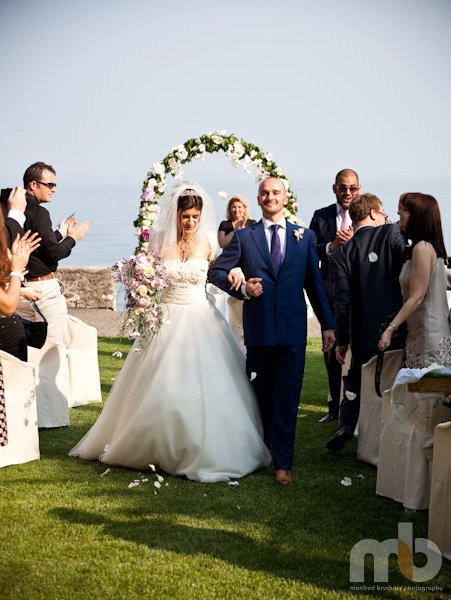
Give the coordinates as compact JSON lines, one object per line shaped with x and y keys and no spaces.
{"x":12,"y":337}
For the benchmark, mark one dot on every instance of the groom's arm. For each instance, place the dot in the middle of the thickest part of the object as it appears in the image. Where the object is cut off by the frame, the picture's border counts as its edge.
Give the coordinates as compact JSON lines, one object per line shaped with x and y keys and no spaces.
{"x":315,"y":289}
{"x":228,"y":260}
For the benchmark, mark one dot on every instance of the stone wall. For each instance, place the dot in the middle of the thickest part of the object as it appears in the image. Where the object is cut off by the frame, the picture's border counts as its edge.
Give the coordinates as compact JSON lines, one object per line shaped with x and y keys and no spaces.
{"x":88,"y":287}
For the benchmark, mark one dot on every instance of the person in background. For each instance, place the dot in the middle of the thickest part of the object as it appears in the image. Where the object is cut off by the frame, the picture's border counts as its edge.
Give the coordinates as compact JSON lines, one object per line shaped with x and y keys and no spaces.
{"x":12,"y":269}
{"x":13,"y":211}
{"x":237,"y":218}
{"x":364,"y":274}
{"x":40,"y":185}
{"x":333,"y":228}
{"x":13,"y":206}
{"x":423,"y":285}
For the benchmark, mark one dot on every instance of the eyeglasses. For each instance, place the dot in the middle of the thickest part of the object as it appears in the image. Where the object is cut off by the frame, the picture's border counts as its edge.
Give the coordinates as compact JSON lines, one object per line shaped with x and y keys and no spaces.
{"x":344,"y":188}
{"x":50,"y":185}
{"x":381,"y":212}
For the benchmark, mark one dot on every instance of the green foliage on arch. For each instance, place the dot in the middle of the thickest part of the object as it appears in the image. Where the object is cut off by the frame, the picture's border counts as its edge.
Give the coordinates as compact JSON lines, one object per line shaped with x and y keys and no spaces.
{"x":246,"y":155}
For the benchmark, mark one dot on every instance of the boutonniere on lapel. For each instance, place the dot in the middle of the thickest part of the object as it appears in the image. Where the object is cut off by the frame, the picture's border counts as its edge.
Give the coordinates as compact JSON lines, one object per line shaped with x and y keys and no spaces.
{"x":298,"y":234}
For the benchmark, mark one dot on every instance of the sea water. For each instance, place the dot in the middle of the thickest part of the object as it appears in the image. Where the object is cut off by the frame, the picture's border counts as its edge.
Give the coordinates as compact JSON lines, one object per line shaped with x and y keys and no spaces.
{"x":111,"y":209}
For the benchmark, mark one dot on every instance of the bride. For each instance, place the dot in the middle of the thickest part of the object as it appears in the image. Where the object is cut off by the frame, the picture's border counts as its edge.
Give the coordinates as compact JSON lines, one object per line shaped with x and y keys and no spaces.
{"x":184,"y":403}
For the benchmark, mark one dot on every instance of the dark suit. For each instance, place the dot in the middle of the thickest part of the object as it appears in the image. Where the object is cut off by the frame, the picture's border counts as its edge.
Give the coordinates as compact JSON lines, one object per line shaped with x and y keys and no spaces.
{"x":275,"y":325}
{"x":324,"y":224}
{"x":365,"y":292}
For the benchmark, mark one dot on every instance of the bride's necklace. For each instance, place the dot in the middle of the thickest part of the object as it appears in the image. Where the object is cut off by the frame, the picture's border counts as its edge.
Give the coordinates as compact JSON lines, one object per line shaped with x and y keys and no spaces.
{"x":185,"y":246}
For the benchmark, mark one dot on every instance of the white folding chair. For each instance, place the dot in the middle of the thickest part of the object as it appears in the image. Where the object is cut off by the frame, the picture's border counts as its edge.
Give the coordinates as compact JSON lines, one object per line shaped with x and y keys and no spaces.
{"x":406,"y":449}
{"x":53,"y":385}
{"x":371,"y":404}
{"x":19,"y":381}
{"x":84,"y":376}
{"x":439,"y":530}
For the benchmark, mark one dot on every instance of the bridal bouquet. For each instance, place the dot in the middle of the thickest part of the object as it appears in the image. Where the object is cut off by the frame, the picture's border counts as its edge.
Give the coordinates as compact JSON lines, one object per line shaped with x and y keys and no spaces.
{"x":144,"y":278}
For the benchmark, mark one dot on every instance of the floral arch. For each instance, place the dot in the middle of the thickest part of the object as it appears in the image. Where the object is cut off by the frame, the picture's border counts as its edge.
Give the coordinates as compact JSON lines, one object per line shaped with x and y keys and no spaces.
{"x":240,"y":153}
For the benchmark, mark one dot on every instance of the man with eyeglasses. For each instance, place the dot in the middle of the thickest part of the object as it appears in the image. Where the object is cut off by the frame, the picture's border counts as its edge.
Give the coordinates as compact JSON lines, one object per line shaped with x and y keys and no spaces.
{"x":40,"y":185}
{"x":333,"y":228}
{"x":365,"y":280}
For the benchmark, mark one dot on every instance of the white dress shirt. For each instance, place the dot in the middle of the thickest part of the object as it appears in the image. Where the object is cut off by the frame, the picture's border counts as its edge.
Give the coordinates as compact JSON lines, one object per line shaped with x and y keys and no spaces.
{"x":282,"y":233}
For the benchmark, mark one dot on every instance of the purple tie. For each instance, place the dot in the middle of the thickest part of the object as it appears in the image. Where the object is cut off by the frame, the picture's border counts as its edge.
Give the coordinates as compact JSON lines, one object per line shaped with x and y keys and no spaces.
{"x":275,"y":249}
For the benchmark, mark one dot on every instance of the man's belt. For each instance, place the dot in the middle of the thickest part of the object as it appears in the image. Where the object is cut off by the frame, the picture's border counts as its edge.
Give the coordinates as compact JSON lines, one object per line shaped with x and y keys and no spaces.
{"x":42,"y":278}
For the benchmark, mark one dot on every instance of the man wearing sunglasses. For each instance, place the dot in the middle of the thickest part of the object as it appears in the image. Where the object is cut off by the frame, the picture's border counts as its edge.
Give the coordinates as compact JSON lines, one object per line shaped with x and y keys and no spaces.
{"x":333,"y":228}
{"x":40,"y":185}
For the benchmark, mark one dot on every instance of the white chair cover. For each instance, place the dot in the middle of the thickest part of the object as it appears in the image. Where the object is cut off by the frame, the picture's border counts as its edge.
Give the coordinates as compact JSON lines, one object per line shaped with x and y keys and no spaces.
{"x":53,"y":386}
{"x":440,"y":503}
{"x":84,"y":373}
{"x":405,"y":450}
{"x":19,"y":382}
{"x":371,"y":404}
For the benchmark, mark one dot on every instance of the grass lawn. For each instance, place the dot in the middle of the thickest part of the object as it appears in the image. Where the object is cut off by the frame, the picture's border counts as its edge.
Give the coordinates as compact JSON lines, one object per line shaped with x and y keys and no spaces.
{"x":69,"y":532}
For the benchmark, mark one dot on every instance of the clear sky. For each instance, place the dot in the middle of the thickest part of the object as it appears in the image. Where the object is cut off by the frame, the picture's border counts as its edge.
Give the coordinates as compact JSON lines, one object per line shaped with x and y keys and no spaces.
{"x":103,"y":88}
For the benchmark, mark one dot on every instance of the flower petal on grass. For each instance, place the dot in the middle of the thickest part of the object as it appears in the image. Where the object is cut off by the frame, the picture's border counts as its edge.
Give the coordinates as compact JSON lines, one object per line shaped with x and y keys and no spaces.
{"x":233,"y":483}
{"x":117,"y":354}
{"x":157,"y":484}
{"x":160,"y":478}
{"x":360,"y":476}
{"x":133,"y":484}
{"x":105,"y":472}
{"x":152,"y":468}
{"x":346,"y":481}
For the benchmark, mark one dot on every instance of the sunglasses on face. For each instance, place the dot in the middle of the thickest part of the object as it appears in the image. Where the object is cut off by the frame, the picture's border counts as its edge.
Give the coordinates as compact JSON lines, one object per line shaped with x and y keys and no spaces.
{"x":50,"y":186}
{"x":344,"y":188}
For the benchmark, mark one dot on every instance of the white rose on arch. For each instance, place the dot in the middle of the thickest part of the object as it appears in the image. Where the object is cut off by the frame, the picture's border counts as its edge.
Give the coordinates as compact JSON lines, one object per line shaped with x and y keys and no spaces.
{"x":241,"y":153}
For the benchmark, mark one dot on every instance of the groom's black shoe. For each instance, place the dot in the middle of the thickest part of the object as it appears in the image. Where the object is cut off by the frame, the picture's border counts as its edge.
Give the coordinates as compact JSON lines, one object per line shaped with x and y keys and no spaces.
{"x":328,"y":418}
{"x":339,"y":439}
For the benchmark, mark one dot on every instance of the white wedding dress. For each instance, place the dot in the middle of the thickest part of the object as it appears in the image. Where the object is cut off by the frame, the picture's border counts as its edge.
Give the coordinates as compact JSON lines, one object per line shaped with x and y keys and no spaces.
{"x":184,"y":404}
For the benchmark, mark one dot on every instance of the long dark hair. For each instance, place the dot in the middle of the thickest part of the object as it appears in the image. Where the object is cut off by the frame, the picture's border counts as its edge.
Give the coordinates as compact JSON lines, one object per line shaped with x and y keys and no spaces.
{"x":424,"y":222}
{"x":5,"y":265}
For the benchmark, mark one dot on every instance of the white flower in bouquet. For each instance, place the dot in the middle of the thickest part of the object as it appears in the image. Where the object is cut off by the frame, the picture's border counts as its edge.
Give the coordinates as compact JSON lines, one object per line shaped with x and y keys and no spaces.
{"x":142,"y":290}
{"x":144,"y":278}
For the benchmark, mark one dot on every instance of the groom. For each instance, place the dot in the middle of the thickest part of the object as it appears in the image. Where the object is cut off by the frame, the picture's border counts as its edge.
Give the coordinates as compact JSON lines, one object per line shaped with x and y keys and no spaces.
{"x":279,"y":260}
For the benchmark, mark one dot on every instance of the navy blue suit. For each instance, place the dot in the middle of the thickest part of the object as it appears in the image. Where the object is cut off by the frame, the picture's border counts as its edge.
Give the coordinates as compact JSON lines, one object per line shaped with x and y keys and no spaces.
{"x":324,"y":224}
{"x":275,"y":325}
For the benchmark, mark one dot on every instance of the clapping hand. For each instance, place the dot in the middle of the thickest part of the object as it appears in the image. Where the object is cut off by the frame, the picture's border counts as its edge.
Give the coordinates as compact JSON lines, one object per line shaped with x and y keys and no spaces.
{"x":77,"y":231}
{"x":21,"y":249}
{"x":342,"y":236}
{"x":64,"y":225}
{"x":239,"y":224}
